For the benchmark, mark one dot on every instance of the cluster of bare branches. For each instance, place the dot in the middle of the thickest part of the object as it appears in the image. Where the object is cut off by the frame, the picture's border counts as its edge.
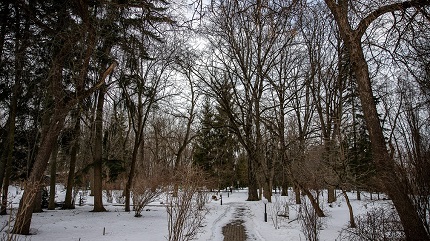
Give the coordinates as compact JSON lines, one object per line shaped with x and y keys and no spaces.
{"x":146,"y":189}
{"x":310,"y":223}
{"x":381,"y":223}
{"x":279,"y":210}
{"x":186,"y":208}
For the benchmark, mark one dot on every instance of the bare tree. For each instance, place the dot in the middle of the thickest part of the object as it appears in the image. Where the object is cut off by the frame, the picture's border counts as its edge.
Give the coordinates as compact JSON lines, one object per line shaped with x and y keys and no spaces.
{"x":141,"y":85}
{"x":246,"y":39}
{"x":352,"y":36}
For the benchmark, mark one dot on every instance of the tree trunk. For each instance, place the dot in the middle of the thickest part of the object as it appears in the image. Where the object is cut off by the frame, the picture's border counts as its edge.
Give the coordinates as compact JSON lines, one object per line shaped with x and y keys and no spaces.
{"x":268,"y":190}
{"x":414,"y":228}
{"x":297,"y":194}
{"x":38,"y":202}
{"x":351,"y":211}
{"x":129,"y":183}
{"x":314,"y":201}
{"x":6,"y":160}
{"x":69,"y":200}
{"x":52,"y":182}
{"x":284,"y":184}
{"x":98,"y":153}
{"x":252,"y":181}
{"x":331,"y":195}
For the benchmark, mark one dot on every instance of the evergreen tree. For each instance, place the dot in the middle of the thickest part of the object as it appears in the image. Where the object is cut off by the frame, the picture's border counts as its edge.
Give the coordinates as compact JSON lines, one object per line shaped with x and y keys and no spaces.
{"x":215,"y":147}
{"x":358,"y":146}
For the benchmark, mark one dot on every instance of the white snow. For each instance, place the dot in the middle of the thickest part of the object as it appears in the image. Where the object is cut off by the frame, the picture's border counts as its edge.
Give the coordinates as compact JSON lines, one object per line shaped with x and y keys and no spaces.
{"x":81,"y":224}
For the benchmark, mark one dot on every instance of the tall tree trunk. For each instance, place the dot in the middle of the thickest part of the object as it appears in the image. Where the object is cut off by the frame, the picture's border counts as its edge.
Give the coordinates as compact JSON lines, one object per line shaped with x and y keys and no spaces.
{"x":98,"y":153}
{"x":385,"y":165}
{"x":6,"y":168}
{"x":69,"y":200}
{"x":53,"y":172}
{"x":129,"y":183}
{"x":284,"y":185}
{"x":37,"y":208}
{"x":297,"y":194}
{"x":331,"y":194}
{"x":252,"y":180}
{"x":53,"y":124}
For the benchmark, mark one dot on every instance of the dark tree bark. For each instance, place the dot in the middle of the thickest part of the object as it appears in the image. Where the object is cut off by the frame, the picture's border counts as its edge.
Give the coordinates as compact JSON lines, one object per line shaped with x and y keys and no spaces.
{"x":385,"y":165}
{"x":352,"y":223}
{"x":129,"y":184}
{"x":69,"y":200}
{"x":98,"y":153}
{"x":53,"y":172}
{"x":6,"y":157}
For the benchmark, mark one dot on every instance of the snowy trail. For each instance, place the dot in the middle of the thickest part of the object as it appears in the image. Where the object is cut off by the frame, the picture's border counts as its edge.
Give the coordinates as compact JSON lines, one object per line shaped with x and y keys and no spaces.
{"x":216,"y":232}
{"x":233,"y":212}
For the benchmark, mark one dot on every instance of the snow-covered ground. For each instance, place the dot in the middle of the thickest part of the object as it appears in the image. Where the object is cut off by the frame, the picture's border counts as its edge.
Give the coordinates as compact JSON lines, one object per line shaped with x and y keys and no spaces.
{"x":81,"y":224}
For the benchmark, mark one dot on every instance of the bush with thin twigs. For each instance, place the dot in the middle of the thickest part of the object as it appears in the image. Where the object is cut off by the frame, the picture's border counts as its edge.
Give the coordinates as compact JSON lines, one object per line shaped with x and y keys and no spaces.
{"x":279,"y":210}
{"x":186,"y":209}
{"x":146,"y":189}
{"x":377,"y":224}
{"x":310,"y":223}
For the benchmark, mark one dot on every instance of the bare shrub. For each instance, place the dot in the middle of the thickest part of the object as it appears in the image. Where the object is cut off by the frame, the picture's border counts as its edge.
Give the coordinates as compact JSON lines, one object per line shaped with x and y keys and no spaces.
{"x":378,"y":224}
{"x":310,"y":223}
{"x":186,"y":210}
{"x":145,"y":190}
{"x":279,"y":210}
